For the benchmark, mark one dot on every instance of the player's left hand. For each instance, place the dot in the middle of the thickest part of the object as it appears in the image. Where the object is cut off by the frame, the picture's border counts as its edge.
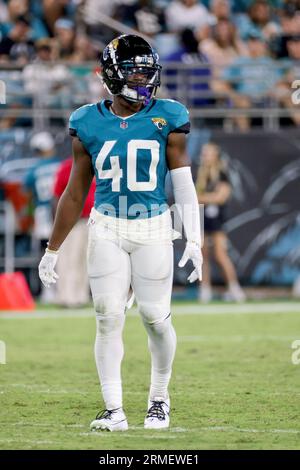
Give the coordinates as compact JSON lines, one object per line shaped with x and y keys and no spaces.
{"x":193,"y":252}
{"x":46,"y":268}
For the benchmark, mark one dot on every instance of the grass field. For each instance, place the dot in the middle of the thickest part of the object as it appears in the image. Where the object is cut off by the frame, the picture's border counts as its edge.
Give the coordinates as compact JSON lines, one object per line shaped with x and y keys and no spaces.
{"x":234,"y":385}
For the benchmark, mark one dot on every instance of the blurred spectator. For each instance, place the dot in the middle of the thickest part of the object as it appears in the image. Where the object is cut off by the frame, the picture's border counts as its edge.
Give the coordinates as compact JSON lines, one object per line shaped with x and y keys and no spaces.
{"x":4,"y":16}
{"x":86,"y":86}
{"x":181,"y":14}
{"x":65,"y":36}
{"x":214,"y":189}
{"x":291,"y":72}
{"x":49,"y":83}
{"x":91,"y":11}
{"x":290,"y":26}
{"x":258,"y":21}
{"x":290,"y":18}
{"x":195,"y":76}
{"x":72,"y":285}
{"x":224,"y":46}
{"x":84,"y":51}
{"x":143,"y":15}
{"x":242,"y":6}
{"x":39,"y":183}
{"x":52,"y":10}
{"x":220,"y":9}
{"x":17,"y":40}
{"x":250,"y":79}
{"x":16,"y":8}
{"x":92,"y":7}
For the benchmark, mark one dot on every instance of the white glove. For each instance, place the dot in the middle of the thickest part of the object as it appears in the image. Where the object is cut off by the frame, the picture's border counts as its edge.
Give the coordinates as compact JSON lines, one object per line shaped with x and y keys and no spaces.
{"x":193,"y":252}
{"x":46,"y":268}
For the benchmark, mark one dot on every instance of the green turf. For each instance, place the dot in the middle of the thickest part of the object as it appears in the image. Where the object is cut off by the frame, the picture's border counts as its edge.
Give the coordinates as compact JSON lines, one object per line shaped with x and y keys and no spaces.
{"x":233,"y":386}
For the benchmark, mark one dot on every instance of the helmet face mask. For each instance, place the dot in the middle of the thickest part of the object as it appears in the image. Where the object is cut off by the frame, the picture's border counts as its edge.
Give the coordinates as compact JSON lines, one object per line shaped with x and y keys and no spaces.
{"x":130,"y":68}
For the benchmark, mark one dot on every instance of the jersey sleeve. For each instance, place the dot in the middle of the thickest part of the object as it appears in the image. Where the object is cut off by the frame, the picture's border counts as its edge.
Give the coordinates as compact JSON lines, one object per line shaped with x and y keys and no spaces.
{"x":74,"y":125}
{"x":179,"y":120}
{"x":78,"y":121}
{"x":182,"y":124}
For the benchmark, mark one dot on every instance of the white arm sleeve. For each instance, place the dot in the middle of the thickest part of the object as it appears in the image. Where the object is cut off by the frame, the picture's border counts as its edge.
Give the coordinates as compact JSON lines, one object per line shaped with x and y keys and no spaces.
{"x":187,"y":202}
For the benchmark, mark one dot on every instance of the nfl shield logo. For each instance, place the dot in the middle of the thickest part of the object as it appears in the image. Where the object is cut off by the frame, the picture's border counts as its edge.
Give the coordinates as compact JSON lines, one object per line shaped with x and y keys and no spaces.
{"x":123,"y":124}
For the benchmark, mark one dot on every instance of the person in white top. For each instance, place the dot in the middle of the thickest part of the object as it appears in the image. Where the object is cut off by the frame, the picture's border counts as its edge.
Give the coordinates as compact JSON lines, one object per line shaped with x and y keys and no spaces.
{"x":181,"y":14}
{"x":223,"y":47}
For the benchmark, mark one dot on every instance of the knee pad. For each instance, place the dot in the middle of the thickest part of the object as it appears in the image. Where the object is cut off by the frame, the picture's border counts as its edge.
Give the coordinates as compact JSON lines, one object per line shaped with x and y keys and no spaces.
{"x":152,"y":312}
{"x":109,"y":304}
{"x":159,"y":326}
{"x":110,"y":326}
{"x":110,"y":315}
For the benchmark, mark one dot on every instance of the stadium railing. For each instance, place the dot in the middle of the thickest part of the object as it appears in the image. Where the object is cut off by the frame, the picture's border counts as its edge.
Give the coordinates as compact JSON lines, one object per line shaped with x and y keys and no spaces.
{"x":192,"y":84}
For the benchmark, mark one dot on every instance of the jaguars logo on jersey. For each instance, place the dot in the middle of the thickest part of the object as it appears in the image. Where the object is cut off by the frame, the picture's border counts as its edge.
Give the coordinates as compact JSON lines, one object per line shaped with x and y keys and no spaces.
{"x":159,"y":122}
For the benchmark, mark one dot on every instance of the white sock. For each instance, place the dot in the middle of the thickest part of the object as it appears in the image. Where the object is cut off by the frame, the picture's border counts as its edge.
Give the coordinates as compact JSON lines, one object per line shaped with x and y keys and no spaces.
{"x":109,"y":353}
{"x":162,"y":346}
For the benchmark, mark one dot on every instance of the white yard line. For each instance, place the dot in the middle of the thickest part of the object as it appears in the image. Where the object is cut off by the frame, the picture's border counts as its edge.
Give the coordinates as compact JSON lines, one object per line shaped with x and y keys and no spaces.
{"x":36,"y":388}
{"x":177,"y":309}
{"x":171,"y":430}
{"x":101,"y":434}
{"x":141,"y":428}
{"x":164,"y":433}
{"x":254,"y":431}
{"x":234,"y":338}
{"x":27,"y":441}
{"x":42,"y":425}
{"x":274,"y":307}
{"x":224,"y":429}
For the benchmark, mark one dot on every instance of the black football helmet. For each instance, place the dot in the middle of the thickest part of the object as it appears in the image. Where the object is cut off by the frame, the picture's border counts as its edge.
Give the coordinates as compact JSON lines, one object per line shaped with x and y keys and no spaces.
{"x":130,"y":68}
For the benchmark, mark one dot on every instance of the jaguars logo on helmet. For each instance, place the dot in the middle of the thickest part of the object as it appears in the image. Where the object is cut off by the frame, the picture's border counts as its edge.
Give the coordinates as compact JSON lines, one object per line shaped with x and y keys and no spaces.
{"x":130,"y":68}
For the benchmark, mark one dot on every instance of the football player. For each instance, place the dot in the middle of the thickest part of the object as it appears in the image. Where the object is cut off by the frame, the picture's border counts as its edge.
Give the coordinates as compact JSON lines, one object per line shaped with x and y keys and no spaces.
{"x":130,"y":143}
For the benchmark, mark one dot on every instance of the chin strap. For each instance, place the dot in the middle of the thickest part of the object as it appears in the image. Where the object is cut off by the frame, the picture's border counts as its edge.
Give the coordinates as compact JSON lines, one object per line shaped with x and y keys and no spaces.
{"x":142,"y":91}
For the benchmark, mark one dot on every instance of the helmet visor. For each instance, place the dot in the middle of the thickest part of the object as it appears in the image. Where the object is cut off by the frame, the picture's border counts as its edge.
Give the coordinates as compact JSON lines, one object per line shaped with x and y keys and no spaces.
{"x":141,"y":75}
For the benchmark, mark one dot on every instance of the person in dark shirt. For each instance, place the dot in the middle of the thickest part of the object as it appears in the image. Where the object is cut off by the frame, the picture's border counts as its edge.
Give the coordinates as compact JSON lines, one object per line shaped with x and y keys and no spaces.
{"x":196,"y":76}
{"x":17,"y":38}
{"x":144,"y":15}
{"x":214,"y":189}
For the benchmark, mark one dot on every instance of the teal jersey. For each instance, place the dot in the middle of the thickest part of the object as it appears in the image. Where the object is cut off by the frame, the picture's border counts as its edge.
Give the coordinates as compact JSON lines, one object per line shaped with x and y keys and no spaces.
{"x":40,"y":180}
{"x":129,"y":154}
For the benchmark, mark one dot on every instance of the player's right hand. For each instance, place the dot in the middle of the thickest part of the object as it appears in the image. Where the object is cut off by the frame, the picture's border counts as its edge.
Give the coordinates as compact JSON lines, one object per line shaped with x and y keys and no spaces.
{"x":193,"y":252}
{"x":46,"y":268}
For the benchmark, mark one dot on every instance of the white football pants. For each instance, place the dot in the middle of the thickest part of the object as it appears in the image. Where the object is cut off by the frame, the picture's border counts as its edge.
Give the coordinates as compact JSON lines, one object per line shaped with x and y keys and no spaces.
{"x":115,"y":264}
